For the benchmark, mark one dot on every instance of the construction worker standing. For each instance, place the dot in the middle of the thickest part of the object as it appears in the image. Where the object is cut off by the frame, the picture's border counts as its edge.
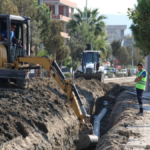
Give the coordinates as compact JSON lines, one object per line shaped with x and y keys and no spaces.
{"x":140,"y":86}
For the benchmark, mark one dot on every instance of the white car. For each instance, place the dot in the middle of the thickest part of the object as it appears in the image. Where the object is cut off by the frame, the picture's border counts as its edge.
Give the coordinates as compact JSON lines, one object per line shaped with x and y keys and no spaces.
{"x":133,"y":71}
{"x":123,"y":71}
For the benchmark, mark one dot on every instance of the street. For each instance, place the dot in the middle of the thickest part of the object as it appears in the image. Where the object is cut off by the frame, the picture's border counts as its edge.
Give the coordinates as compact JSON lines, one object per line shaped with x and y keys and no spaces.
{"x":120,"y":80}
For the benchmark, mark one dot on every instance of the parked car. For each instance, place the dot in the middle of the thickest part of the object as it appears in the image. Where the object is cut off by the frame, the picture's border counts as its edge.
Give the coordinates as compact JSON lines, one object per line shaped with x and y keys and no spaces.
{"x":107,"y":70}
{"x":133,"y":71}
{"x":110,"y":70}
{"x":124,"y":72}
{"x":31,"y":73}
{"x":113,"y":70}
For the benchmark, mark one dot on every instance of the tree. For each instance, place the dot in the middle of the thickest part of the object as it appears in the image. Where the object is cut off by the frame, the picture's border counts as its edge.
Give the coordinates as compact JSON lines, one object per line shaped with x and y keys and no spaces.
{"x":138,"y":58}
{"x":68,"y":62}
{"x":116,"y":46}
{"x":109,"y":51}
{"x":93,"y":19}
{"x":129,"y":50}
{"x":7,"y":7}
{"x":141,"y":25}
{"x":44,"y":15}
{"x":103,"y":44}
{"x":36,"y":12}
{"x":56,"y":40}
{"x":62,"y":53}
{"x":36,"y":35}
{"x":76,"y":48}
{"x":124,"y":56}
{"x":84,"y":34}
{"x":42,"y":53}
{"x":77,"y":45}
{"x":26,"y":8}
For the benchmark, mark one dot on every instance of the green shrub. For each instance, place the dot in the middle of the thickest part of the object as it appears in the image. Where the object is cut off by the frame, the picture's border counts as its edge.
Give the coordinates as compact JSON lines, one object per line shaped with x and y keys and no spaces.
{"x":110,"y":75}
{"x":119,"y":75}
{"x":125,"y":75}
{"x":68,"y":75}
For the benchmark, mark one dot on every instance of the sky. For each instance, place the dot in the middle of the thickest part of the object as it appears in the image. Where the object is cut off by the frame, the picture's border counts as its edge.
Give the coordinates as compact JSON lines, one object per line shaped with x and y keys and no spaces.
{"x":114,"y":10}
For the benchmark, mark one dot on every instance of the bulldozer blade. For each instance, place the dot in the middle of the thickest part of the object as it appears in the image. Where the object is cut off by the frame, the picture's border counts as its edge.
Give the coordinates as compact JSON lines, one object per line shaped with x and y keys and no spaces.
{"x":88,"y":76}
{"x":87,"y":142}
{"x":12,"y":74}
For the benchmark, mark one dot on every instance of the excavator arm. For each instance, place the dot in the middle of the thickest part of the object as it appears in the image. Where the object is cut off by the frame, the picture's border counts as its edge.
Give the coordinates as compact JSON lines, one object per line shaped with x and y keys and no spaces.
{"x":70,"y":89}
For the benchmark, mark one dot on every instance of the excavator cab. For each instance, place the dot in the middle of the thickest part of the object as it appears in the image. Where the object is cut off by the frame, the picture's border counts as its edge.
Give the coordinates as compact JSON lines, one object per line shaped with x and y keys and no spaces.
{"x":21,"y":33}
{"x":13,"y":45}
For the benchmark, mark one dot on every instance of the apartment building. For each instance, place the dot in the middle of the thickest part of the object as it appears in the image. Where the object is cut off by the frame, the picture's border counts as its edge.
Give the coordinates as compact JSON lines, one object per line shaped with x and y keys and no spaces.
{"x":115,"y":32}
{"x":61,"y":10}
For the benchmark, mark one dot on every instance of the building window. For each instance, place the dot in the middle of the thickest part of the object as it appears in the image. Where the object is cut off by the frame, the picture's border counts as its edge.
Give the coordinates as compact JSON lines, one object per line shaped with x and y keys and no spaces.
{"x":70,"y":12}
{"x":65,"y":11}
{"x":122,"y":32}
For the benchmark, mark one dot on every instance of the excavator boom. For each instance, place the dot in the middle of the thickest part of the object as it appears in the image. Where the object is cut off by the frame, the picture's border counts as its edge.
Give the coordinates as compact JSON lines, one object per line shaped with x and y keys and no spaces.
{"x":69,"y":88}
{"x":86,"y":137}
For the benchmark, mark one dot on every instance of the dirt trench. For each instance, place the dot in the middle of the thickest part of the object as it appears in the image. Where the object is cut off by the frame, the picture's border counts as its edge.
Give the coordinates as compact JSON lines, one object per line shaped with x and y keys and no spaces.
{"x":95,"y":100}
{"x":39,"y":118}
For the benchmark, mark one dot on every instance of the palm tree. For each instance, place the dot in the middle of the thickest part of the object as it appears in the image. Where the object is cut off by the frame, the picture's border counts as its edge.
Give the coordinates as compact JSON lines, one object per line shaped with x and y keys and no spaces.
{"x":93,"y":18}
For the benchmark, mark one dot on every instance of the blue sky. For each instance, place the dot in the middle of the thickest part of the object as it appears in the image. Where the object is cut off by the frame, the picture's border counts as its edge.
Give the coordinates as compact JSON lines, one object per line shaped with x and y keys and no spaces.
{"x":115,"y":10}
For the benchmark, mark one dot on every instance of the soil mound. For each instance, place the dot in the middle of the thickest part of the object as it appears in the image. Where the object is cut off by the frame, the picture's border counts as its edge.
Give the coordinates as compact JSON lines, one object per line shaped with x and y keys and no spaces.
{"x":40,"y":118}
{"x":37,"y":117}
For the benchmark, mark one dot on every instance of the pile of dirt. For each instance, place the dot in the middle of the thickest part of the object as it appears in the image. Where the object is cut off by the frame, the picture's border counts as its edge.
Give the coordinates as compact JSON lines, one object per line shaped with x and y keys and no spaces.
{"x":40,"y":118}
{"x":37,"y":118}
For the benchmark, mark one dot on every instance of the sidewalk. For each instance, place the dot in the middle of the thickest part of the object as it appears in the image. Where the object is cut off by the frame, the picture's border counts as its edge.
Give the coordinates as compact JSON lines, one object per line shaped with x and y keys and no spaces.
{"x":147,"y":94}
{"x":141,"y":127}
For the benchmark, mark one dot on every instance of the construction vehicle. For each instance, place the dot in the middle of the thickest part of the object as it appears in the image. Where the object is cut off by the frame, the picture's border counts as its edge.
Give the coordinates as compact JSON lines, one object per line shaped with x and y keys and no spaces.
{"x":90,"y":65}
{"x":15,"y":63}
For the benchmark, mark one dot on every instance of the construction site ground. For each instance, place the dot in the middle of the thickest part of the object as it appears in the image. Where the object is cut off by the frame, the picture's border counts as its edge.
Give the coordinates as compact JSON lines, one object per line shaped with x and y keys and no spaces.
{"x":127,"y":130}
{"x":39,"y":117}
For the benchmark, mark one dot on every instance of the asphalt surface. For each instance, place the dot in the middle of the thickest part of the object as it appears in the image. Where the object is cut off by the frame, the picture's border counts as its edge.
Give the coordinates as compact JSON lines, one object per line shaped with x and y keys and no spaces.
{"x":120,"y":80}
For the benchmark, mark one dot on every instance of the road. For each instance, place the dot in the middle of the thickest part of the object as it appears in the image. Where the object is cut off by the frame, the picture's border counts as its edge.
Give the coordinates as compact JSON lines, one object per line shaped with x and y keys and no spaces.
{"x":120,"y":80}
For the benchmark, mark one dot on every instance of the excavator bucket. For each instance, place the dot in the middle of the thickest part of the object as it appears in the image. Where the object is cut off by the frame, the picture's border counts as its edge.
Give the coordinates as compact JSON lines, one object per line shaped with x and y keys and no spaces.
{"x":98,"y":76}
{"x":87,"y":142}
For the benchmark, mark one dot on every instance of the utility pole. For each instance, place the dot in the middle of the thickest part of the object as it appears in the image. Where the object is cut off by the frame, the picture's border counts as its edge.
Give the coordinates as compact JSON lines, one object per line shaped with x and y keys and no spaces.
{"x":86,"y":12}
{"x":132,"y":57}
{"x":132,"y":53}
{"x":41,"y":3}
{"x":31,"y":37}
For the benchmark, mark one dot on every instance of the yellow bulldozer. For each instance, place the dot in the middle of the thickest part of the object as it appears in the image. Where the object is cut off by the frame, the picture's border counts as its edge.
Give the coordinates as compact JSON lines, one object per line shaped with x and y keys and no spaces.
{"x":15,"y":63}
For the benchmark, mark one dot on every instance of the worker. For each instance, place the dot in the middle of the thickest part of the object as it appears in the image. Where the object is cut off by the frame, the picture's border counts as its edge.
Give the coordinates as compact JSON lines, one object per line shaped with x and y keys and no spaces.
{"x":140,"y":86}
{"x":12,"y":35}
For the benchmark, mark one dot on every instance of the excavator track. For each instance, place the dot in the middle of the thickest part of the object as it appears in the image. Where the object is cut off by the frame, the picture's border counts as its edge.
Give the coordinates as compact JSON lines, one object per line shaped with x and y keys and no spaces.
{"x":21,"y":84}
{"x":12,"y":75}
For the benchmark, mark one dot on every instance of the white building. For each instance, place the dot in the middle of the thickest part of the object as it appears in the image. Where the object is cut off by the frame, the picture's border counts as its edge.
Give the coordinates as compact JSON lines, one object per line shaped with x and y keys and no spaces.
{"x":115,"y":32}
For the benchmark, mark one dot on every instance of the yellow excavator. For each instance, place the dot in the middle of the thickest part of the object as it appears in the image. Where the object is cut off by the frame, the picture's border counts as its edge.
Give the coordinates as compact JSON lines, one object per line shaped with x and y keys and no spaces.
{"x":15,"y":63}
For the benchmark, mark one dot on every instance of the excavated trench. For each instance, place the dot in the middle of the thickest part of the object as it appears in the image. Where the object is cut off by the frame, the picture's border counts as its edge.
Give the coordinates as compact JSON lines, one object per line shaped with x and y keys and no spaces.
{"x":101,"y":92}
{"x":39,"y":118}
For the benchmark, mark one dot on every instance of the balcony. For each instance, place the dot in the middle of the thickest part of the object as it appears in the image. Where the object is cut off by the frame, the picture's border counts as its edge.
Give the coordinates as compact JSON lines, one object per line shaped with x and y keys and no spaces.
{"x":61,"y":17}
{"x":65,"y":35}
{"x":61,"y":2}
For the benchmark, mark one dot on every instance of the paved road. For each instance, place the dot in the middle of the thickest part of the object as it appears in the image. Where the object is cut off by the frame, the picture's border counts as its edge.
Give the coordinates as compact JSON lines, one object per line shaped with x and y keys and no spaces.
{"x":120,"y":80}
